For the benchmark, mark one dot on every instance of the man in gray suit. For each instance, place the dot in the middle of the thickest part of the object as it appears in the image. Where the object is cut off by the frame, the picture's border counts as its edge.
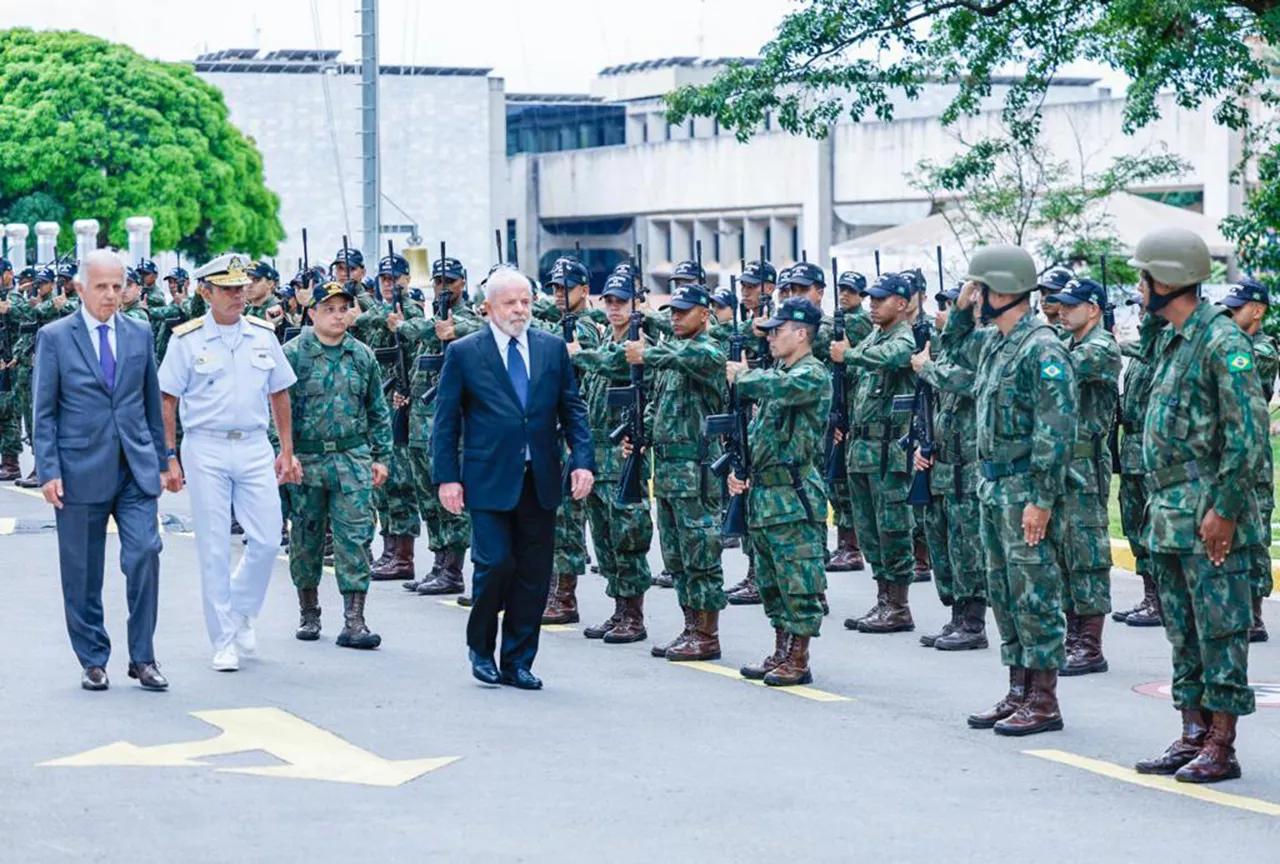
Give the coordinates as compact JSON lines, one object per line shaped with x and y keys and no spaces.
{"x":99,"y":446}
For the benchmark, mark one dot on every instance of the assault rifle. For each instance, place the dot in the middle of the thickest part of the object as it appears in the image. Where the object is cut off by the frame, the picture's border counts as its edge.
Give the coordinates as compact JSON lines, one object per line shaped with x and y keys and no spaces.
{"x":1109,"y":321}
{"x":920,"y":405}
{"x":838,"y":419}
{"x":731,"y":428}
{"x":633,"y":398}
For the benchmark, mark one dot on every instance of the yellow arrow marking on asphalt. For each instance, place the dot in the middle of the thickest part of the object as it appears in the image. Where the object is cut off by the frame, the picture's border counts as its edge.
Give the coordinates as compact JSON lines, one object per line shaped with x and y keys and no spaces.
{"x":312,"y":753}
{"x":1164,"y":784}
{"x":802,"y":691}
{"x":8,"y":525}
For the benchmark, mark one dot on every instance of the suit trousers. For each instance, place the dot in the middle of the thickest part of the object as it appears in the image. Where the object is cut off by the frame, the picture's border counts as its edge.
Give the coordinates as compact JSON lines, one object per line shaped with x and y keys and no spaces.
{"x":512,"y":551}
{"x":82,"y":537}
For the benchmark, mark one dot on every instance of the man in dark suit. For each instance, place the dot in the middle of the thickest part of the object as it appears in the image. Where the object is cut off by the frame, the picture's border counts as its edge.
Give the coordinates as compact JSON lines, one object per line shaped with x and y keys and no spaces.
{"x":510,"y":394}
{"x":99,"y":446}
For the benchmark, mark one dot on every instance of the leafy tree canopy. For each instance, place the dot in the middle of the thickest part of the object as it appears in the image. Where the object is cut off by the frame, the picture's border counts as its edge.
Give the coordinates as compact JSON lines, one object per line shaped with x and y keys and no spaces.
{"x":91,"y":129}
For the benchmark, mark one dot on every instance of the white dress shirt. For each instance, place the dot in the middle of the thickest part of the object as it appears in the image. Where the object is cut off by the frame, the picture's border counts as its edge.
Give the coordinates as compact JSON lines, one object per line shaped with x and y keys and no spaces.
{"x":522,"y":345}
{"x":93,"y":324}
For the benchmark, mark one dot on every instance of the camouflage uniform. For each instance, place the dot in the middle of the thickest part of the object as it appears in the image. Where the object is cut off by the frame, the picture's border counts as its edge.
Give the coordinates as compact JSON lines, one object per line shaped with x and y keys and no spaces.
{"x":1202,"y":443}
{"x":1135,"y":394}
{"x":857,"y":327}
{"x":1267,"y":360}
{"x":10,"y":403}
{"x":340,"y":428}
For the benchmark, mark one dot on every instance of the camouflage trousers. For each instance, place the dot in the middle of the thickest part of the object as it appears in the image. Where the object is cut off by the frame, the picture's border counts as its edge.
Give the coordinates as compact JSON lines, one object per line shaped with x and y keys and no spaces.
{"x":571,"y":537}
{"x":335,"y":495}
{"x":955,"y":548}
{"x":26,"y":401}
{"x":1133,"y":508}
{"x":621,"y":536}
{"x":1260,"y":579}
{"x":1207,"y":612}
{"x":841,"y":505}
{"x":790,"y":574}
{"x":689,"y":529}
{"x":883,"y":521}
{"x":1024,"y":587}
{"x":395,"y":502}
{"x":10,"y":427}
{"x":1086,"y":554}
{"x":445,"y":531}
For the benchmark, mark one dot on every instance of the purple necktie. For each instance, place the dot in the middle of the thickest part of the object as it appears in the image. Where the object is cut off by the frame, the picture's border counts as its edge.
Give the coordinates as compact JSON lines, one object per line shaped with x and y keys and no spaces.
{"x":106,"y":360}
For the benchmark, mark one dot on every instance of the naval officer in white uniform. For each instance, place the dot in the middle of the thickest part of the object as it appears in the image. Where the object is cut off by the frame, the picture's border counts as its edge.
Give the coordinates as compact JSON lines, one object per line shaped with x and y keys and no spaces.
{"x":222,"y":371}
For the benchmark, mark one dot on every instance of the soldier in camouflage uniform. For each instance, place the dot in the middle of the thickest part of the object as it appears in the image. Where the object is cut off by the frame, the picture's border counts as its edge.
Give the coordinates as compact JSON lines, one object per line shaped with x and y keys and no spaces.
{"x":40,"y":310}
{"x":427,"y":338}
{"x":1248,"y":302}
{"x":13,"y":309}
{"x":167,"y":315}
{"x":1051,"y":282}
{"x":687,"y":374}
{"x":570,"y":284}
{"x":149,"y":274}
{"x":1202,"y":448}
{"x":620,"y":532}
{"x":1086,"y":549}
{"x":1026,"y":404}
{"x":852,"y":288}
{"x":787,"y":535}
{"x":877,"y":467}
{"x":261,"y":302}
{"x":1135,"y":390}
{"x":342,"y":437}
{"x":952,"y":517}
{"x":395,"y":503}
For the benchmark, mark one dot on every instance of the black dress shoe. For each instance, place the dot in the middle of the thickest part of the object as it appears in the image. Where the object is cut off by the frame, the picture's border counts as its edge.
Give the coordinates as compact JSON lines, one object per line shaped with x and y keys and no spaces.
{"x":521,"y":678}
{"x":484,"y":669}
{"x":94,"y":678}
{"x":148,"y":675}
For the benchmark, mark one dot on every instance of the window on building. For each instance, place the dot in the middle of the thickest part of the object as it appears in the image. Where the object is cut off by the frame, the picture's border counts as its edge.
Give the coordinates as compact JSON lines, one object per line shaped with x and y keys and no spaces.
{"x":795,"y":242}
{"x":768,"y":242}
{"x":768,"y":118}
{"x":513,"y":257}
{"x":742,"y":245}
{"x":691,"y":135}
{"x":668,"y":125}
{"x":715,"y":126}
{"x":715,"y":246}
{"x":644,"y":129}
{"x":667,"y":239}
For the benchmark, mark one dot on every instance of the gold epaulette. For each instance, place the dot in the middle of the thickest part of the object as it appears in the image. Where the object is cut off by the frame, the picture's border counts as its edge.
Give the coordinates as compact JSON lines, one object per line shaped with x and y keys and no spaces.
{"x":189,"y":327}
{"x":261,"y":322}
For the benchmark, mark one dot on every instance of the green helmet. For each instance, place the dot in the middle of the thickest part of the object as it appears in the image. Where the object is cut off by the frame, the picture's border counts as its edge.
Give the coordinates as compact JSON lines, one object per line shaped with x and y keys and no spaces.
{"x":1004,"y":269}
{"x":1175,"y":256}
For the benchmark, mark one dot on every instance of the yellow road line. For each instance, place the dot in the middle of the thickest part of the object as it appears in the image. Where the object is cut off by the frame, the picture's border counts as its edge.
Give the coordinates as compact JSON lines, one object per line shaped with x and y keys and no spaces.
{"x":1164,"y":784}
{"x":31,"y":492}
{"x":804,"y":692}
{"x":546,"y":628}
{"x":7,"y":525}
{"x":1122,"y":557}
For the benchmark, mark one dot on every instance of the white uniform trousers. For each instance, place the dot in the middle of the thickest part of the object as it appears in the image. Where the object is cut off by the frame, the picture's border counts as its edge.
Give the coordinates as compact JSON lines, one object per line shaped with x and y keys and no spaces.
{"x":222,"y":472}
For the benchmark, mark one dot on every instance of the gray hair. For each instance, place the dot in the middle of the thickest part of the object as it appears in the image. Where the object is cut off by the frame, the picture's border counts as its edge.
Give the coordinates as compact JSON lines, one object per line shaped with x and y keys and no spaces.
{"x":102,"y":258}
{"x":505,"y":278}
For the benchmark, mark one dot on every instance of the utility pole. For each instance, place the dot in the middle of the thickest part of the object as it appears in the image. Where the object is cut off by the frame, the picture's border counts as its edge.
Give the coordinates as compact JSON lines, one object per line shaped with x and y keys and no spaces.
{"x":370,"y":184}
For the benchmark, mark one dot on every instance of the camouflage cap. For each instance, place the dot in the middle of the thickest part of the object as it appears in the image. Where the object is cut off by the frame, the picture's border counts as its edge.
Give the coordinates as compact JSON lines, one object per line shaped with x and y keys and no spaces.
{"x":1175,"y":256}
{"x":1003,"y":268}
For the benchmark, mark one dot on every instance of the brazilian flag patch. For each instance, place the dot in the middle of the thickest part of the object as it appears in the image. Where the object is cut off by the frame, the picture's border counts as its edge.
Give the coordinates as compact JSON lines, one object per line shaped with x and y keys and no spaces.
{"x":1052,"y":370}
{"x":1239,"y":361}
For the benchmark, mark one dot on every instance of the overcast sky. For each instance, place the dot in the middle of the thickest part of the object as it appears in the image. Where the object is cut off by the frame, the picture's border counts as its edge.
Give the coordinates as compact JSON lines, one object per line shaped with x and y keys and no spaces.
{"x":536,"y":45}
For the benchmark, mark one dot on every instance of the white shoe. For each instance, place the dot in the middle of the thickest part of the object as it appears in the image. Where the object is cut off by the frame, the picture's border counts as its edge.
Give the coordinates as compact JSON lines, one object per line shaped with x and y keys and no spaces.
{"x":246,"y":640}
{"x":226,"y":659}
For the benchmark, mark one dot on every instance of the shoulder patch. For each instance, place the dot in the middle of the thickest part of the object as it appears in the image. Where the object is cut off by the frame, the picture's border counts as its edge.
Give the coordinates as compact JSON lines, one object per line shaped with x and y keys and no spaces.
{"x":1052,"y":370}
{"x":261,"y":322}
{"x":189,"y":327}
{"x":1239,"y":361}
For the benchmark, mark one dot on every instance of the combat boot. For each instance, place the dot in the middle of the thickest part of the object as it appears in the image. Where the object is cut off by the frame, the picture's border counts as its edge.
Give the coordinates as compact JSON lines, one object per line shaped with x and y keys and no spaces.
{"x":1195,"y":728}
{"x":1258,"y":632}
{"x":414,"y":584}
{"x":895,"y":617}
{"x":794,"y":668}
{"x":972,"y":631}
{"x":703,"y":641}
{"x":400,"y":563}
{"x":661,"y":650}
{"x":562,"y":602}
{"x":631,"y":627}
{"x":929,"y":640}
{"x":9,"y":469}
{"x":746,"y":593}
{"x":1007,"y":705}
{"x":1071,"y":639}
{"x":822,"y":601}
{"x":765,"y":666}
{"x":1088,"y":657}
{"x":30,"y":482}
{"x":355,"y":633}
{"x":665,"y":579}
{"x":448,"y":578}
{"x":1039,"y":713}
{"x":597,"y":631}
{"x":922,"y":570}
{"x":386,"y":552}
{"x":1216,"y":760}
{"x":309,"y":604}
{"x":874,"y":611}
{"x":848,"y":557}
{"x":1147,"y":612}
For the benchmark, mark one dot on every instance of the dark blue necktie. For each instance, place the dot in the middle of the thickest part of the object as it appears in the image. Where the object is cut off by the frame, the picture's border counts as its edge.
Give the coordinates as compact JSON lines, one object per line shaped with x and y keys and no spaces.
{"x":519,"y":374}
{"x":106,"y":360}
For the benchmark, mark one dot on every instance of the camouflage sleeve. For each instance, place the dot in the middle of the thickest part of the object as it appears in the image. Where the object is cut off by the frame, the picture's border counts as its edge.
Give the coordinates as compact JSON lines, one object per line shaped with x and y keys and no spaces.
{"x":694,"y":357}
{"x":948,"y":376}
{"x":1242,"y":421}
{"x":1265,"y":352}
{"x":378,"y":414}
{"x":798,"y":388}
{"x":960,"y":323}
{"x":413,"y":331}
{"x":468,"y":323}
{"x":892,"y":353}
{"x":369,"y":321}
{"x":1053,"y":390}
{"x":1097,"y":361}
{"x":607,"y":359}
{"x":658,"y":326}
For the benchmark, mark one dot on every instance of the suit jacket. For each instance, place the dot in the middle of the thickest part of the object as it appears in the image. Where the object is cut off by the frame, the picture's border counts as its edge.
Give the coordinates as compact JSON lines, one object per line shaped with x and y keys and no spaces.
{"x":476,"y":402}
{"x":81,"y":428}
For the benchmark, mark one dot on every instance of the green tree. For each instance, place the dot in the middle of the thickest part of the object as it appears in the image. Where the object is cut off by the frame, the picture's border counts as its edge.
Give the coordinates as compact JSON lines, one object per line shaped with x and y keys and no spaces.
{"x":91,"y":129}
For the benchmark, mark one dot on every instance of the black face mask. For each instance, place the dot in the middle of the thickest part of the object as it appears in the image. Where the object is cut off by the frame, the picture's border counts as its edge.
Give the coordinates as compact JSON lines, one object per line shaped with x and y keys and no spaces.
{"x":991,"y":313}
{"x":1156,"y":302}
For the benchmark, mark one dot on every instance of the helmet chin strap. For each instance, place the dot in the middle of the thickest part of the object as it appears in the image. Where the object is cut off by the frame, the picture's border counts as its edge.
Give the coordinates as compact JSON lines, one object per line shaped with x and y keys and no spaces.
{"x":1156,"y":302}
{"x":991,"y":313}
